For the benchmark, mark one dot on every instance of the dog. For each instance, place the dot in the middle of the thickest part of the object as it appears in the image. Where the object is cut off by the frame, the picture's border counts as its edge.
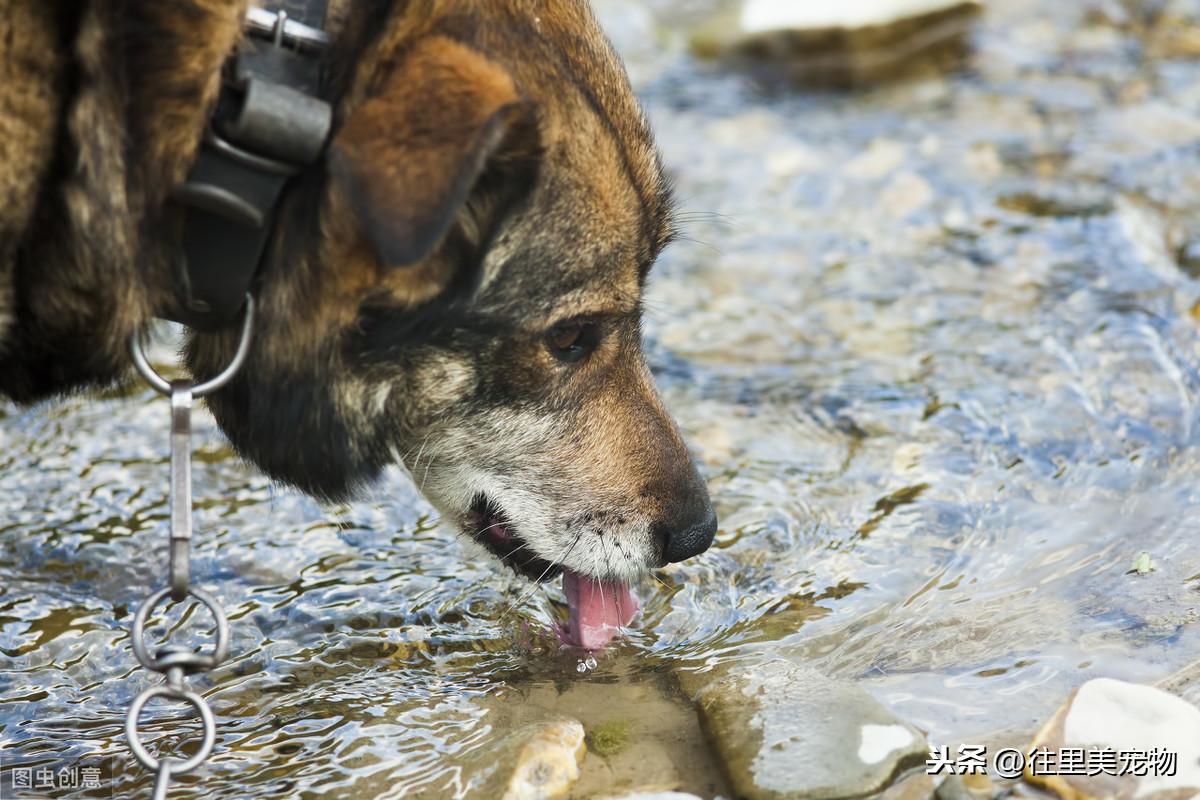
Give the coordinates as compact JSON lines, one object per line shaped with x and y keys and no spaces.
{"x":455,"y":285}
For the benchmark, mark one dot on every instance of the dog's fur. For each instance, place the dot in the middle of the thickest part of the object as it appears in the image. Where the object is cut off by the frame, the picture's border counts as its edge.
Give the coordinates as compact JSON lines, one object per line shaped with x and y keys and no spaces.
{"x":455,"y":286}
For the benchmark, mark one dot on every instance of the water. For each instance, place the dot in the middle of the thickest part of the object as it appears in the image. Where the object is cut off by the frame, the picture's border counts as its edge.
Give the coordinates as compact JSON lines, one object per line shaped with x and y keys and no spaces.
{"x":936,"y":347}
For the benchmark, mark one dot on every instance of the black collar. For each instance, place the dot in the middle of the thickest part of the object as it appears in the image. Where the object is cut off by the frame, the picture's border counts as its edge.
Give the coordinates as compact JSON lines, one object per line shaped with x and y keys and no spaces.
{"x":270,"y":123}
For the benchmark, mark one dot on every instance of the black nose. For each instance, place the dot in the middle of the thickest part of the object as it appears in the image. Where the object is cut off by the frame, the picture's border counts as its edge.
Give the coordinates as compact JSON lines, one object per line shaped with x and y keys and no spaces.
{"x":690,"y":538}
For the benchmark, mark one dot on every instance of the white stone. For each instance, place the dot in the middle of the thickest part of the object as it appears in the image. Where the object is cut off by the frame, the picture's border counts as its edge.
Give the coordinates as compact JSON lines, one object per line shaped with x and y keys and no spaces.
{"x":762,"y":16}
{"x":1129,"y":716}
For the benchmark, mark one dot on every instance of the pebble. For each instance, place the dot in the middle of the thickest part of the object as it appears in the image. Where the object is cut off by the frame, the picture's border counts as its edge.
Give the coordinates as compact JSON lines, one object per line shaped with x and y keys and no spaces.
{"x":784,"y":730}
{"x":906,"y":194}
{"x":1109,"y":714}
{"x":548,"y":764}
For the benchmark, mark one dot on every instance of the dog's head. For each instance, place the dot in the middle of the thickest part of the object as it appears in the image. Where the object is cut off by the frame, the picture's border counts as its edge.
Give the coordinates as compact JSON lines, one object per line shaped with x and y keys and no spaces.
{"x":459,"y":288}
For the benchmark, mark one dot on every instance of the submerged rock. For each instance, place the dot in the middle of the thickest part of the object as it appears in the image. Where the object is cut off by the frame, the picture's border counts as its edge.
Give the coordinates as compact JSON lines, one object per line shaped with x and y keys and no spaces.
{"x":844,"y":44}
{"x":1116,"y":718}
{"x":548,"y":764}
{"x":786,"y":731}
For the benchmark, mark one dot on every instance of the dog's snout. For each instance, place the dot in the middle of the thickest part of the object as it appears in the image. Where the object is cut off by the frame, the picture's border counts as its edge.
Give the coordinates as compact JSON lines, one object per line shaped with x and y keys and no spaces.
{"x":691,"y":535}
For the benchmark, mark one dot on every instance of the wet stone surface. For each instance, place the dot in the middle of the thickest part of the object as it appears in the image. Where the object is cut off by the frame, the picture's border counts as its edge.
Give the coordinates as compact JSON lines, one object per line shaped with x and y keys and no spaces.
{"x":548,"y":763}
{"x":1135,"y":723}
{"x":785,"y":731}
{"x":935,"y":344}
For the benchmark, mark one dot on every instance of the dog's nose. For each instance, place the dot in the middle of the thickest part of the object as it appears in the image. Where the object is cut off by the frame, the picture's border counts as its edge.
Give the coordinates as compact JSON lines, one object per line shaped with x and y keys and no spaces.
{"x":691,"y":538}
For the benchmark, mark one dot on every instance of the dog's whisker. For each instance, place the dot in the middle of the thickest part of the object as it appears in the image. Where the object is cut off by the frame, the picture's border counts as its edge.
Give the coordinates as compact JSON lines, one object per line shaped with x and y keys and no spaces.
{"x":517,"y":550}
{"x":425,"y":477}
{"x":604,"y":602}
{"x":684,"y":218}
{"x":404,"y":456}
{"x":683,"y":237}
{"x":417,"y":460}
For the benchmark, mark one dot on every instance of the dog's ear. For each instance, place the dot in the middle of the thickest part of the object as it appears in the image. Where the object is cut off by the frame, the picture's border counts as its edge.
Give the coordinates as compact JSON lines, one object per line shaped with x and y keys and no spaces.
{"x":410,"y":157}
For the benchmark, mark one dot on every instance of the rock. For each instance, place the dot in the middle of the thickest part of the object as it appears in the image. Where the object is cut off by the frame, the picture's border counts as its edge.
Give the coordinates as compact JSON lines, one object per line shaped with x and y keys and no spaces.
{"x":965,"y":787}
{"x":652,"y":795}
{"x":1106,"y":714}
{"x":850,"y":43}
{"x":1145,"y":128}
{"x":978,"y":785}
{"x":786,"y":731}
{"x":917,"y":786}
{"x":1184,"y":682}
{"x":952,"y":788}
{"x":905,"y":195}
{"x":1080,"y":200}
{"x":881,"y":158}
{"x":548,"y":764}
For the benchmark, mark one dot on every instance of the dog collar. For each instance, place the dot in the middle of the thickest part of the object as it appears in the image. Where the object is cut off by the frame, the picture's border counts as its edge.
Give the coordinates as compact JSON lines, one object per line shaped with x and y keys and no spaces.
{"x":270,"y":123}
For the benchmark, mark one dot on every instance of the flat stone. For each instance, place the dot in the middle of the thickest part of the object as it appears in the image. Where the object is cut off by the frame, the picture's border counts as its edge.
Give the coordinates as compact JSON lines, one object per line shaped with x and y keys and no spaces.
{"x":548,"y":764}
{"x":841,"y":44}
{"x":785,"y":731}
{"x":1125,"y":717}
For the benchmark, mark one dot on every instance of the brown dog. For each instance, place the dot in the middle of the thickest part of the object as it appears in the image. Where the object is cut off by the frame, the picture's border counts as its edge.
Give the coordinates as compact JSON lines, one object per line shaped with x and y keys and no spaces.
{"x":455,"y":285}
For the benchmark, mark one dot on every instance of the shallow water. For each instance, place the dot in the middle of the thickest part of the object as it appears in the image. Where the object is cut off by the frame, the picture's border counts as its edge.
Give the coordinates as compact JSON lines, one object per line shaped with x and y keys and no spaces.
{"x":935,"y":345}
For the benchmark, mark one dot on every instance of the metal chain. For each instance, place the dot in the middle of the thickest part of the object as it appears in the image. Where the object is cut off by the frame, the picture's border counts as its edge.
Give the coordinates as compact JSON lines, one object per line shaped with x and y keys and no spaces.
{"x":177,"y":662}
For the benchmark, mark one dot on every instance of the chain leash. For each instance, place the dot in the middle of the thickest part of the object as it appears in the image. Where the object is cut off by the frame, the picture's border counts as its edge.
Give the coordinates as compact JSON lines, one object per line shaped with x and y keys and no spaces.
{"x":177,"y":662}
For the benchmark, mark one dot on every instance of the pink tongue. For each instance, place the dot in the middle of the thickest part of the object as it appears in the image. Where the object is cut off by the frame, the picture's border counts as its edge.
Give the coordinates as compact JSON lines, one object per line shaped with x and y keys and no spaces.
{"x":598,"y":609}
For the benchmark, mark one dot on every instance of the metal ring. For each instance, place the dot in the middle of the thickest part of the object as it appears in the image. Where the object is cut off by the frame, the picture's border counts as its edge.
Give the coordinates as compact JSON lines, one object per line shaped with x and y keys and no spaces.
{"x":195,"y":661}
{"x":175,"y":765}
{"x":163,"y":386}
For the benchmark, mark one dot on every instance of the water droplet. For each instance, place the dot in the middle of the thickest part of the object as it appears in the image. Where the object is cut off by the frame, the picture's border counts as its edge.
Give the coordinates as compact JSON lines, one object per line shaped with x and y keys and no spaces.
{"x":590,"y":663}
{"x":581,"y":667}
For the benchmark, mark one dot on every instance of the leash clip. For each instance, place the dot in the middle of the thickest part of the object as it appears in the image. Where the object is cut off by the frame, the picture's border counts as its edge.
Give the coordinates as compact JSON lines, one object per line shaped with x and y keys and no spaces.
{"x":176,"y":662}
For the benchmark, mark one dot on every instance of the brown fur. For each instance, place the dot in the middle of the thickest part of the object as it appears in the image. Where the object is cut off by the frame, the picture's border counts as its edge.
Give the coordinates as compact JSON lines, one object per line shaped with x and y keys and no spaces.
{"x":491,"y":191}
{"x":80,"y":271}
{"x":32,"y":72}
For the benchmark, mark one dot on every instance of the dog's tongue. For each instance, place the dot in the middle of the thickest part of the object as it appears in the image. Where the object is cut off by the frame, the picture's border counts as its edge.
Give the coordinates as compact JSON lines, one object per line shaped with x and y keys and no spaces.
{"x":598,"y":609}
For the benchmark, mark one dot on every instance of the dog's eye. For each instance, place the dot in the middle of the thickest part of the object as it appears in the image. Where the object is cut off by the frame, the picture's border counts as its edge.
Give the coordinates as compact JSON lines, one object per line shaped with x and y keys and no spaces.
{"x":572,"y":341}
